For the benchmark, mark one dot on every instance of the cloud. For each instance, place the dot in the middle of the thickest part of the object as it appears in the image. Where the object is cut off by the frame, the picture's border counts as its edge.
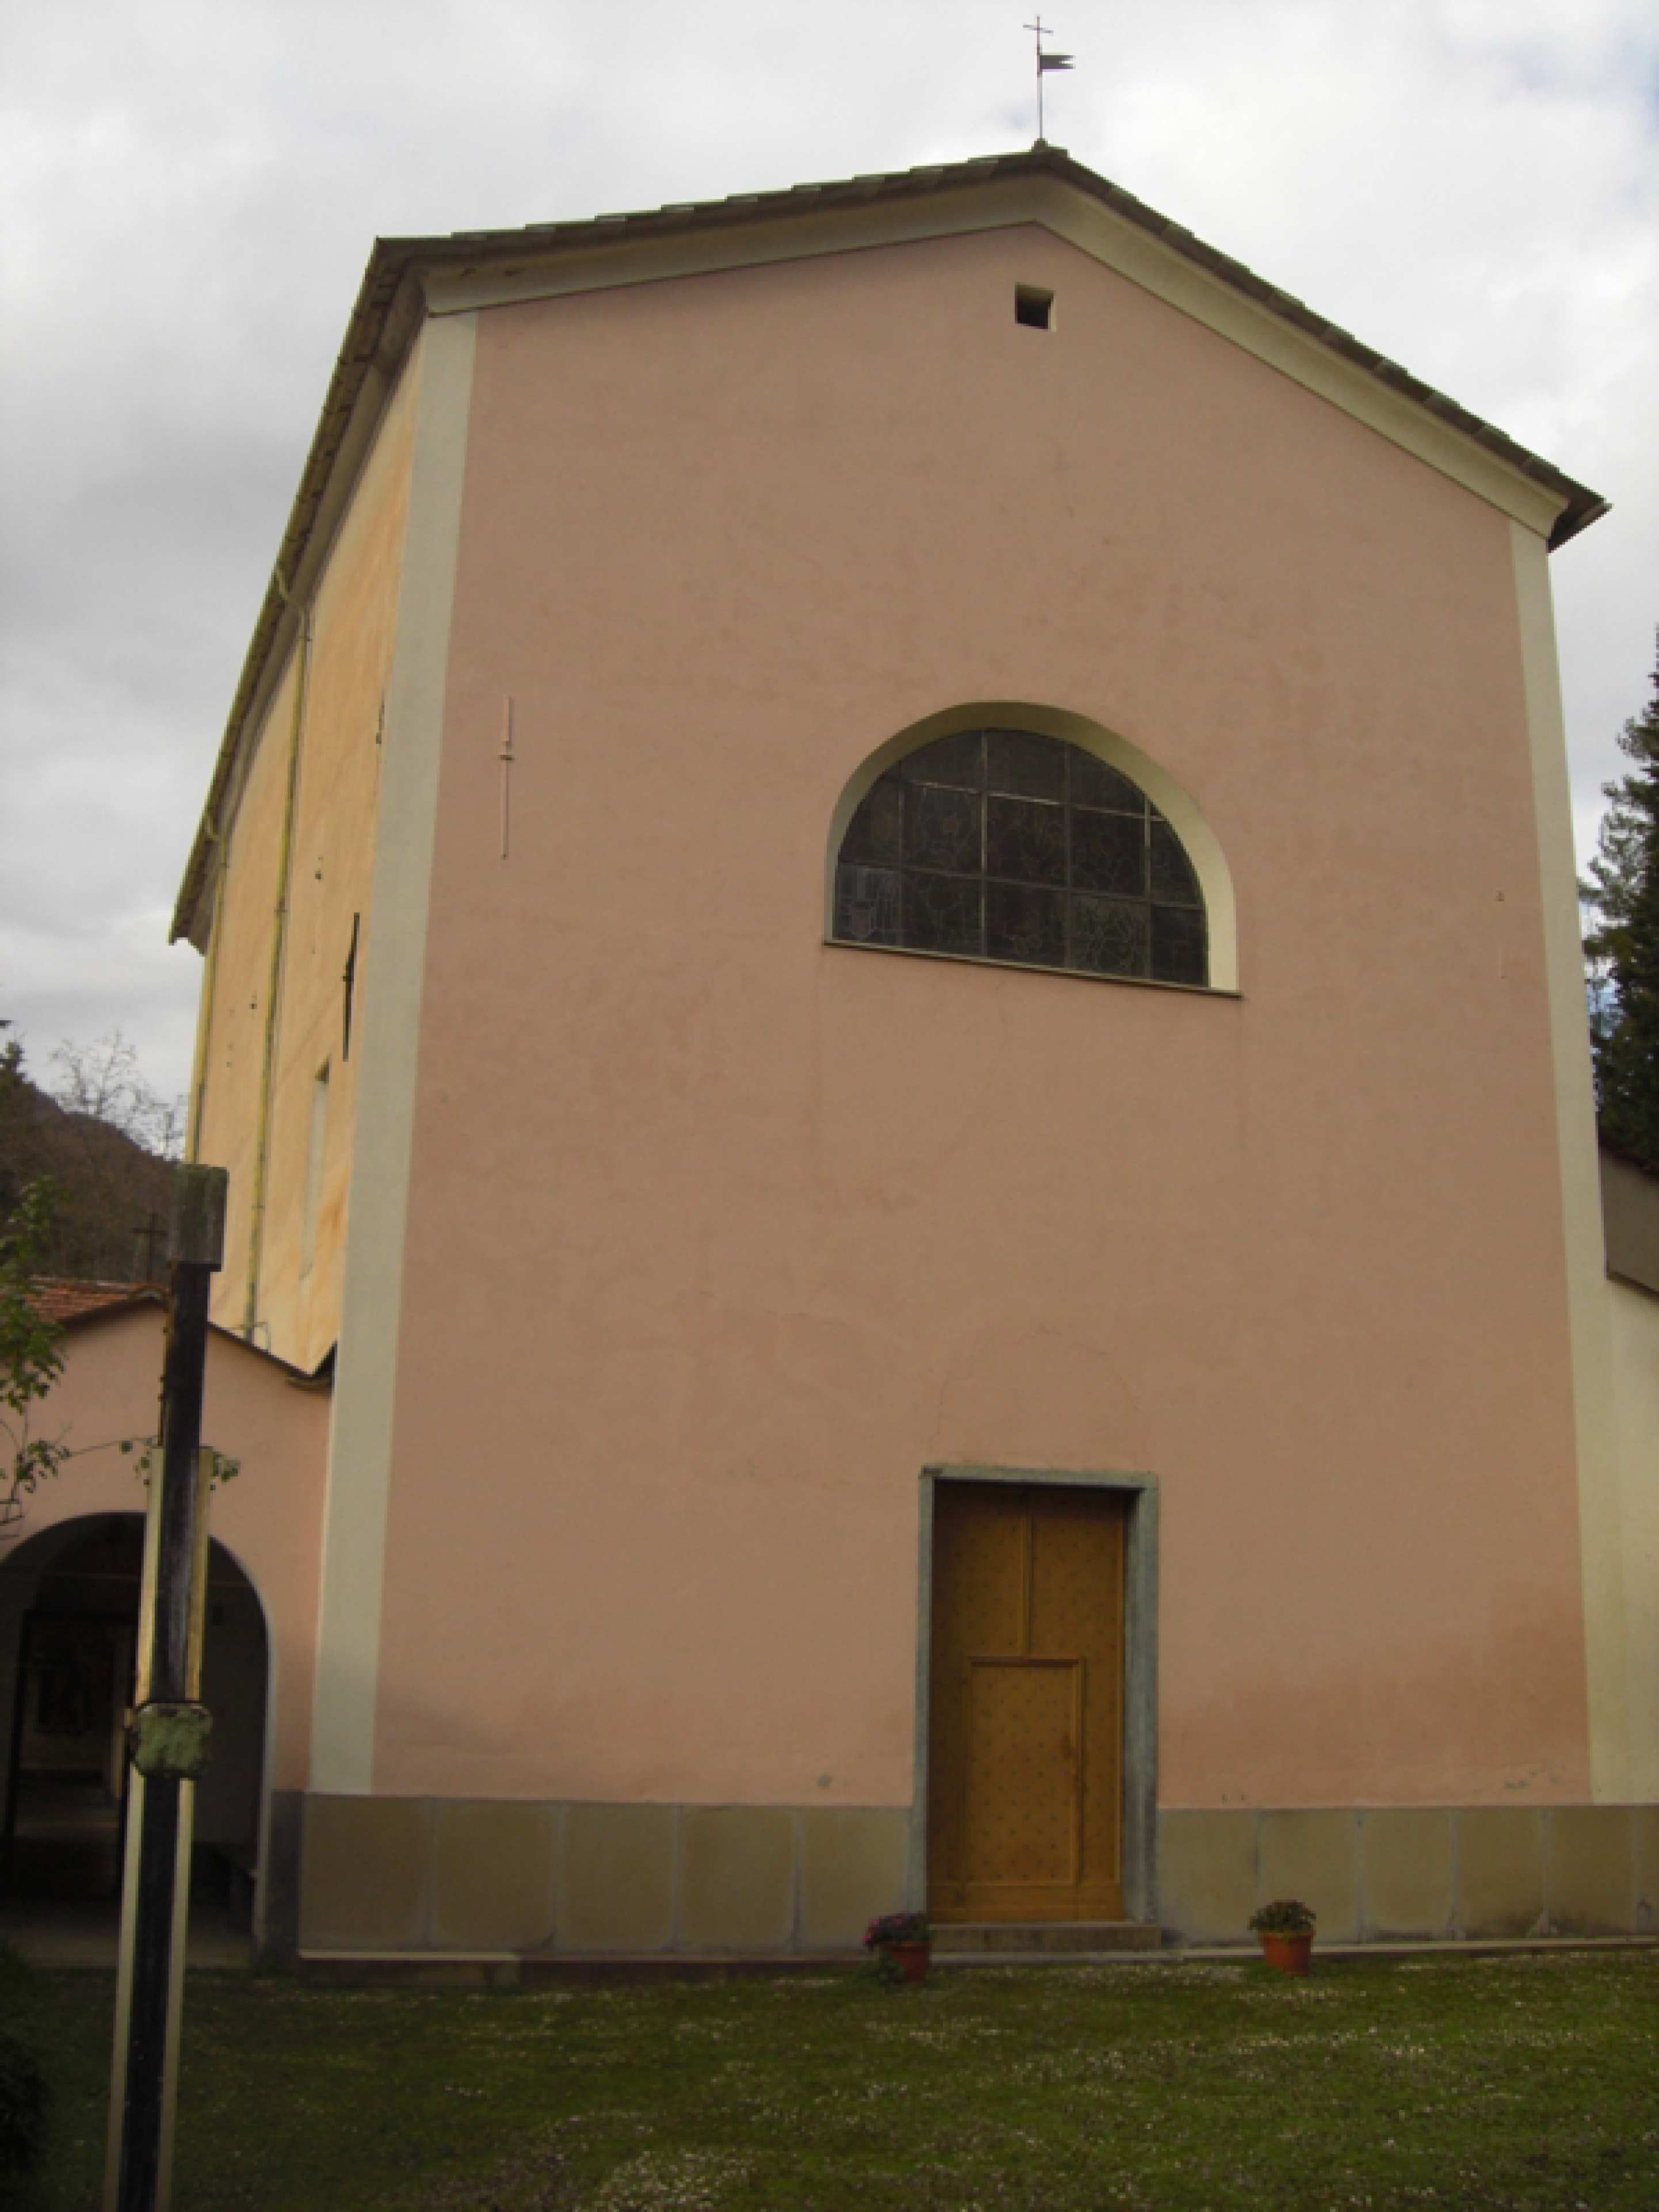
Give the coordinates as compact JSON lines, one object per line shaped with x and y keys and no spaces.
{"x":193,"y":189}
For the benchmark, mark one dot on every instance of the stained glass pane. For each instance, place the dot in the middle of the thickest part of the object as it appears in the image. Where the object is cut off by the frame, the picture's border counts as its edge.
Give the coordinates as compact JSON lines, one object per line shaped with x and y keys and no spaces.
{"x":876,"y":831}
{"x":1108,"y":936}
{"x":959,"y":760}
{"x":867,"y":905}
{"x":1094,"y":784}
{"x":1108,"y":852}
{"x":941,"y":827}
{"x":1003,"y":845}
{"x":1025,"y":839}
{"x":942,"y":913}
{"x":1179,"y":950}
{"x":1026,"y":925}
{"x":1172,"y":873}
{"x":1018,"y":761}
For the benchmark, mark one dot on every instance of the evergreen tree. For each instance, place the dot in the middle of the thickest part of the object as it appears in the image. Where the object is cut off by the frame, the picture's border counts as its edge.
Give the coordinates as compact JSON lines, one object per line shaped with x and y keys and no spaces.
{"x":1624,"y":946}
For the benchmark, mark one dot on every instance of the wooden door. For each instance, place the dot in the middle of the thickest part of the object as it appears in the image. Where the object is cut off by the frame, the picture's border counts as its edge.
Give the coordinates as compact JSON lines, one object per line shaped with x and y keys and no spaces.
{"x":1025,"y":1731}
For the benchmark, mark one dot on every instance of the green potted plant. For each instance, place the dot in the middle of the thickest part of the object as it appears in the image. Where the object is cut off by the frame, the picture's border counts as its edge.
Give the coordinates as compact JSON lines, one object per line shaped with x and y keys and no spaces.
{"x":902,"y":1940}
{"x":1286,"y":1929}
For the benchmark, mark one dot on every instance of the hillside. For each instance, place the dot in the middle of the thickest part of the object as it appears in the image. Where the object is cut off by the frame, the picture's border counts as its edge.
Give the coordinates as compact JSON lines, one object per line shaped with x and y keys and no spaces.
{"x":109,"y":1186}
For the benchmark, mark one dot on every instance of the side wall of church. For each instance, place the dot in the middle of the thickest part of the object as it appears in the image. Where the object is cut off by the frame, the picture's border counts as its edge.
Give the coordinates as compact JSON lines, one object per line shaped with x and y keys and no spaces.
{"x":302,"y":836}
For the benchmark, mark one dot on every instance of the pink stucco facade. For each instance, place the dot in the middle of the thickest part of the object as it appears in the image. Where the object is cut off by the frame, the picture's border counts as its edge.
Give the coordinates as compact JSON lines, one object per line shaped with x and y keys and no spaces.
{"x":718,"y":1234}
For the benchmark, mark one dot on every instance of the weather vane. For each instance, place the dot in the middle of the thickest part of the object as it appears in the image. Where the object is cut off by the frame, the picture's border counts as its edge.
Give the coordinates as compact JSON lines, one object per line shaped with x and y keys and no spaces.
{"x":1044,"y":63}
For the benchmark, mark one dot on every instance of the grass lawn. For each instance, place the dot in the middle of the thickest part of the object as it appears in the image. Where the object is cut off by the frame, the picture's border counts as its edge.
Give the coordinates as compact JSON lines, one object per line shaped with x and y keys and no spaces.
{"x":1517,"y":2081}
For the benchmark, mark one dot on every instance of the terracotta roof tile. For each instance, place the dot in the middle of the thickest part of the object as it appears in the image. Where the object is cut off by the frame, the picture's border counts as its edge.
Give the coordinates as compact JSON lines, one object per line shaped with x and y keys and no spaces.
{"x":64,"y":1298}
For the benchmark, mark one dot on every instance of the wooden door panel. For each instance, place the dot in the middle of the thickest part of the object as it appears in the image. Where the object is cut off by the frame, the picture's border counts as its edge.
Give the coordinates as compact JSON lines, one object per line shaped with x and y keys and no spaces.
{"x":1075,"y":1573}
{"x":978,"y":1596}
{"x":1025,"y":1720}
{"x":978,"y":1606}
{"x":1077,"y":1606}
{"x":1020,"y":1804}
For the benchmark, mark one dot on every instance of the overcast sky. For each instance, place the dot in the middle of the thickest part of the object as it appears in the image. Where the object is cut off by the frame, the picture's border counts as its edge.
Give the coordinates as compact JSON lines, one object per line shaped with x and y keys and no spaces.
{"x":192,"y":188}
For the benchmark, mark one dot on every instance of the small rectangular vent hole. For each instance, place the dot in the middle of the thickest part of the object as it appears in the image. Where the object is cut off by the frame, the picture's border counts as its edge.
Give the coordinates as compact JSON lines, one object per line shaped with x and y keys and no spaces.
{"x":1033,"y":307}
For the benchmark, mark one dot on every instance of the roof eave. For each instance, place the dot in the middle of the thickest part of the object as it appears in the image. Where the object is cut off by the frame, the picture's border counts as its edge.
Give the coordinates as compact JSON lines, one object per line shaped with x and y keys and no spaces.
{"x":361,"y":350}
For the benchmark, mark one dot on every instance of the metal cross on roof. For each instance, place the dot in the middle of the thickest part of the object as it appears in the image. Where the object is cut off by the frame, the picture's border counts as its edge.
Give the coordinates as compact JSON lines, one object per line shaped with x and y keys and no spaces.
{"x":1045,"y":62}
{"x":151,"y":1234}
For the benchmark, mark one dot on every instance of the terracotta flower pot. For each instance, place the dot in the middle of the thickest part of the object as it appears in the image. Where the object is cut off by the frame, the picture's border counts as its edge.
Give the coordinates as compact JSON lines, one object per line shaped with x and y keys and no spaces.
{"x":1290,"y":1953}
{"x":913,"y":1958}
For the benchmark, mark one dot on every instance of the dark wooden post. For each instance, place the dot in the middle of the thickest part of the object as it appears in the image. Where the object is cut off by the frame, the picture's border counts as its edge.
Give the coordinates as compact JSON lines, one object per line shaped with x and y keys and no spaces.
{"x":168,"y":1737}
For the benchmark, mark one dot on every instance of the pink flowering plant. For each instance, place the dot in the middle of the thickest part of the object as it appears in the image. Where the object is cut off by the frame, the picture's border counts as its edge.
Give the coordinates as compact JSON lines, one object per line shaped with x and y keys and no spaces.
{"x":893,"y":1928}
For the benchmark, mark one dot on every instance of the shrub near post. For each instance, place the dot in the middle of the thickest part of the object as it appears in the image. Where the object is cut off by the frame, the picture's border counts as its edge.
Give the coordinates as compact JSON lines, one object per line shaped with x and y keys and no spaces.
{"x":1286,"y":1929}
{"x":902,"y":1939}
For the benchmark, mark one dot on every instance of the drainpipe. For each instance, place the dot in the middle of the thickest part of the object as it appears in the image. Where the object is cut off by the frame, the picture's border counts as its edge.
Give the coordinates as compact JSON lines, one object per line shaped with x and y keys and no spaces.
{"x":278,"y":939}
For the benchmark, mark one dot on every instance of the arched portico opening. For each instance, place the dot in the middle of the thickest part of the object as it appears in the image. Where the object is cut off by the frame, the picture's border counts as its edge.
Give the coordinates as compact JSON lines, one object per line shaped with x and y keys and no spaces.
{"x":69,"y":1622}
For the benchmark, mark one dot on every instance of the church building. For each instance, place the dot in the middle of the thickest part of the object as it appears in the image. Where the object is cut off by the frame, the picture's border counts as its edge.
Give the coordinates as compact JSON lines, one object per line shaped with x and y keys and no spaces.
{"x":891,"y":985}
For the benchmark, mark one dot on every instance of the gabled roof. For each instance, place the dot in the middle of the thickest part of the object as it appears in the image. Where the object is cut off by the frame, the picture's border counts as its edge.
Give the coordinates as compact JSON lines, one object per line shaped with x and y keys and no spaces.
{"x":70,"y":1300}
{"x":469,"y":268}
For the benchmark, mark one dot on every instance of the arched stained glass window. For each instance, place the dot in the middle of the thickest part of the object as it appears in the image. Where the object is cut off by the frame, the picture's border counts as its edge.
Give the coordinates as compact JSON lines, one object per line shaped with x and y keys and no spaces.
{"x":1003,"y":845}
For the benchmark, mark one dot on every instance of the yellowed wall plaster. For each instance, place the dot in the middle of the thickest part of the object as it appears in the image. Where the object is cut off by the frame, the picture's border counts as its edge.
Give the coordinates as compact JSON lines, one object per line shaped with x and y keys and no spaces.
{"x":296,"y":1284}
